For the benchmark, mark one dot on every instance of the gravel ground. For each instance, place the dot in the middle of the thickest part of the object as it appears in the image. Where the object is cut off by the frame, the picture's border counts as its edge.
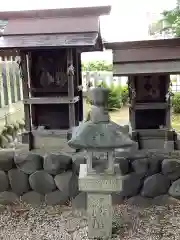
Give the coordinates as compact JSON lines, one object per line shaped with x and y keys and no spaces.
{"x":130,"y":222}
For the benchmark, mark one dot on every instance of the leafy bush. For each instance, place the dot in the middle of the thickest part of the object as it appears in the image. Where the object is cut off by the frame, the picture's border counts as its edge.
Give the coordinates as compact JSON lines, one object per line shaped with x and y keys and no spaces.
{"x":124,"y":94}
{"x":176,"y":103}
{"x":97,"y":66}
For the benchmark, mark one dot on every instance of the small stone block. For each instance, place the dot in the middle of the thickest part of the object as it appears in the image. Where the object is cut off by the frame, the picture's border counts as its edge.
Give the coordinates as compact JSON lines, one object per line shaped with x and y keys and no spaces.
{"x":99,"y":183}
{"x":99,"y":209}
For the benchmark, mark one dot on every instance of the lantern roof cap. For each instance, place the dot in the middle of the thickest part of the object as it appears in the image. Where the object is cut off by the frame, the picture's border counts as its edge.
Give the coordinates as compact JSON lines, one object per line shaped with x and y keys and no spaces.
{"x":98,"y":136}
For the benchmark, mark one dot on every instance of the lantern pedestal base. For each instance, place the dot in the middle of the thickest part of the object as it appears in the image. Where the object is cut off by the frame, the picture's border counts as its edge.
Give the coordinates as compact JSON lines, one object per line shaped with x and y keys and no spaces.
{"x":99,"y":200}
{"x":100,"y":182}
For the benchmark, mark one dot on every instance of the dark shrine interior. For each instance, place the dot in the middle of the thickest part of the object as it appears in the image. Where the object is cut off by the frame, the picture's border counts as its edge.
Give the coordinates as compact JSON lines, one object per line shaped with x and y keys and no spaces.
{"x":150,"y":89}
{"x":48,"y":73}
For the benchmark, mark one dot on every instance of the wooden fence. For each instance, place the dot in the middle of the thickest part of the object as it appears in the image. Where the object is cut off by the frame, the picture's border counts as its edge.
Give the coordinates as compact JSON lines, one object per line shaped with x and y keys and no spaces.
{"x":10,"y":83}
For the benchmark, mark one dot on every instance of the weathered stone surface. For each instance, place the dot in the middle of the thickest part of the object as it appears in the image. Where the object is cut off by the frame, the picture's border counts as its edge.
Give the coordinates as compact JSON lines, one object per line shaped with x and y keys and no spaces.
{"x":67,"y":182}
{"x":174,"y":190}
{"x":163,"y":200}
{"x":4,"y":181}
{"x":146,"y":166}
{"x":155,"y":185}
{"x":33,"y":198}
{"x":123,"y":165}
{"x":57,"y":163}
{"x":42,"y":182}
{"x":99,"y":205}
{"x":140,"y":166}
{"x":19,"y":181}
{"x":56,"y":197}
{"x":139,"y":201}
{"x":78,"y":159}
{"x":131,"y":185}
{"x":80,"y":201}
{"x":6,"y":159}
{"x":171,"y":168}
{"x":85,"y":136}
{"x":28,"y":162}
{"x":154,"y":164}
{"x":7,"y":198}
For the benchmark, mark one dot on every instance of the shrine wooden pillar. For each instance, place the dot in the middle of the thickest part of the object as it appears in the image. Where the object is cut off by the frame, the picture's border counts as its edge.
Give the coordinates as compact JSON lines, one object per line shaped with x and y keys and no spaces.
{"x":70,"y":72}
{"x":25,"y":76}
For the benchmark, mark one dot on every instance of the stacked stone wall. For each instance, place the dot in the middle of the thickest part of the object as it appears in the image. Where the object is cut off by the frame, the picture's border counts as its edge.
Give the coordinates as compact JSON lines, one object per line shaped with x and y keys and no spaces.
{"x":53,"y":178}
{"x":34,"y":179}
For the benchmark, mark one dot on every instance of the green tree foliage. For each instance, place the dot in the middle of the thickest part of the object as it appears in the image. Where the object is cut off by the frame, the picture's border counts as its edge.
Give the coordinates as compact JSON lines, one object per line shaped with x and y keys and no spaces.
{"x":96,"y":66}
{"x":169,"y":23}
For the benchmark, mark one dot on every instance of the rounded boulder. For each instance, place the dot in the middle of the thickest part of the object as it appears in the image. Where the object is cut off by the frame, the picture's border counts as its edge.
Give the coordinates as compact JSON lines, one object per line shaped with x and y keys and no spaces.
{"x":171,"y":168}
{"x":42,"y":182}
{"x":67,"y":182}
{"x":28,"y":162}
{"x":4,"y":181}
{"x":6,"y":159}
{"x":33,"y":198}
{"x":155,"y":185}
{"x":56,"y":197}
{"x":57,"y":163}
{"x":19,"y":181}
{"x":174,"y":190}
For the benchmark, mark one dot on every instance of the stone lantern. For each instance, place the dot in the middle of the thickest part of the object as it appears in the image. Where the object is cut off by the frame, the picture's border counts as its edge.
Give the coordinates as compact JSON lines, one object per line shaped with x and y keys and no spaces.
{"x":99,"y":137}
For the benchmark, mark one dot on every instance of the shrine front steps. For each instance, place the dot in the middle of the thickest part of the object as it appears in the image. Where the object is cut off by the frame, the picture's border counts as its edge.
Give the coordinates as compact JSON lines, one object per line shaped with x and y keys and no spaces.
{"x":53,"y":177}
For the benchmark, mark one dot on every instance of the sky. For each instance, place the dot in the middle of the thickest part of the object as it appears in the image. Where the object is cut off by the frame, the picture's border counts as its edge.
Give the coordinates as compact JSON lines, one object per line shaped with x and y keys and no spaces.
{"x":127,"y":21}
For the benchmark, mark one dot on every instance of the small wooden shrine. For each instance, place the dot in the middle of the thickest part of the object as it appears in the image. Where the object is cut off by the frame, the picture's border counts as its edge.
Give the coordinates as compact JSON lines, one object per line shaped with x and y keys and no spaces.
{"x":148,"y":65}
{"x":49,"y":44}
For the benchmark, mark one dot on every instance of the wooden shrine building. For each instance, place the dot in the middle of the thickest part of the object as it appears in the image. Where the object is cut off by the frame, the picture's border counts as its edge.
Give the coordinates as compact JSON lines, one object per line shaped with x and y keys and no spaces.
{"x":148,"y":65}
{"x":49,"y":44}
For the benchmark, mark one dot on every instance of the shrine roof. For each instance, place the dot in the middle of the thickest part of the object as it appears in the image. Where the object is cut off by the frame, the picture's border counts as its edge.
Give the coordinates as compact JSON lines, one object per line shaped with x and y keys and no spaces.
{"x":52,"y":28}
{"x":62,"y":12}
{"x":143,"y":44}
{"x":43,"y":40}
